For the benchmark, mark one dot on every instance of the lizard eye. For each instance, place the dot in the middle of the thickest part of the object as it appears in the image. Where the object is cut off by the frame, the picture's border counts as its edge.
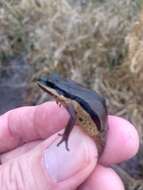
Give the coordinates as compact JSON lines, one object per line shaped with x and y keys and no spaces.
{"x":80,"y":119}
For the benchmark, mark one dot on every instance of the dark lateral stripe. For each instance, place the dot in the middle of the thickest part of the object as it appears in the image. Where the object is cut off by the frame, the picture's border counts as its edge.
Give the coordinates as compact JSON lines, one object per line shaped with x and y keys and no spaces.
{"x":92,"y":114}
{"x":84,"y":105}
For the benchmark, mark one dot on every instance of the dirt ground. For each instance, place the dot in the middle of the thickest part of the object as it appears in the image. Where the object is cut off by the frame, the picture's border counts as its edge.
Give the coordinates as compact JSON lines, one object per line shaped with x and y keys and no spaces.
{"x":97,"y":43}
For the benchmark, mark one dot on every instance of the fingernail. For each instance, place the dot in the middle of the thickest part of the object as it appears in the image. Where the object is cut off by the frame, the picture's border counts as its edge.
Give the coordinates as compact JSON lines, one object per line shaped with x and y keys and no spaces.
{"x":62,"y":164}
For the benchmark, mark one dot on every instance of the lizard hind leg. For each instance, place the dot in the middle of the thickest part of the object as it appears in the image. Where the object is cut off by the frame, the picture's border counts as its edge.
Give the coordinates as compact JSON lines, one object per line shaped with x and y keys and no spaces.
{"x":69,"y":127}
{"x":64,"y":139}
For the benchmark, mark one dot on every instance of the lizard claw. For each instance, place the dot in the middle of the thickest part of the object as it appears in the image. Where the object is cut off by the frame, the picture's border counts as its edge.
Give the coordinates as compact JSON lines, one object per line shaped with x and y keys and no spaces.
{"x":58,"y":103}
{"x":63,"y":140}
{"x":60,"y":134}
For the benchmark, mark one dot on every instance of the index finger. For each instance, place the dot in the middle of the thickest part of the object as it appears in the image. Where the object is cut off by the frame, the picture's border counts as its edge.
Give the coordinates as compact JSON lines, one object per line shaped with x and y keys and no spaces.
{"x":26,"y":124}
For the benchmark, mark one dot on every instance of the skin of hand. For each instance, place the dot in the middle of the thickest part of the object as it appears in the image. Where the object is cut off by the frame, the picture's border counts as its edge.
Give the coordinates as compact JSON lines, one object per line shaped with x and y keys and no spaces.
{"x":30,"y":158}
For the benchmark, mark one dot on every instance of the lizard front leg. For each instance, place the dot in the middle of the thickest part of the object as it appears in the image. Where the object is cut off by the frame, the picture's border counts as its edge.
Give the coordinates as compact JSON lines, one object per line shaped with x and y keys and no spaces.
{"x":65,"y":136}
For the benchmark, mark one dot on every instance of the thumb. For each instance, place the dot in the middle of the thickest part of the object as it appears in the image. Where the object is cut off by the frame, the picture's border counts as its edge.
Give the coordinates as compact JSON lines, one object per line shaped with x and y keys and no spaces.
{"x":48,"y":167}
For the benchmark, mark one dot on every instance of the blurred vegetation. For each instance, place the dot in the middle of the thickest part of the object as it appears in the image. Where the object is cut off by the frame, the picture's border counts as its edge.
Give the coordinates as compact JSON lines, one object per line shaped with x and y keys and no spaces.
{"x":25,"y":24}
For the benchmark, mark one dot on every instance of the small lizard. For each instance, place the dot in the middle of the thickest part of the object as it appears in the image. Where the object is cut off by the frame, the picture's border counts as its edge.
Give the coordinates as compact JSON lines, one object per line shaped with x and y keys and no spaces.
{"x":86,"y":108}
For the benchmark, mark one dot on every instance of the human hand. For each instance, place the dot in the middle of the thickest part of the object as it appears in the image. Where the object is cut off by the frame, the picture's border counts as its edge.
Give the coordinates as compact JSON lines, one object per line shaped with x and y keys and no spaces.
{"x":30,"y":158}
